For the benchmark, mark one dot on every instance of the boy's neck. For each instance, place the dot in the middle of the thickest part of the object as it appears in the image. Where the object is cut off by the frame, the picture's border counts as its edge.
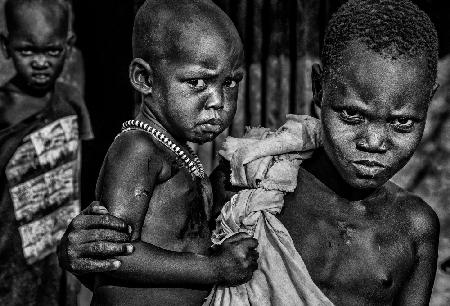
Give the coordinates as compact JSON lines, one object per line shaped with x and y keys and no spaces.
{"x":323,"y":169}
{"x":146,"y":115}
{"x":42,"y":94}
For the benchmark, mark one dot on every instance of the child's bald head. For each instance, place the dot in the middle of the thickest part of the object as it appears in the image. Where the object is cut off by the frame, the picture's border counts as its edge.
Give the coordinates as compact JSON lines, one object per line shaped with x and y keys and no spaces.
{"x":55,"y":12}
{"x":163,"y":28}
{"x":188,"y":62}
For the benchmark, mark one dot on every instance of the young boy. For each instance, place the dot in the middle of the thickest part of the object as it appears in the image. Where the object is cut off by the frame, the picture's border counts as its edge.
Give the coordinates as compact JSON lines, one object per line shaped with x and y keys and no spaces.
{"x":364,"y":240}
{"x":187,"y":64}
{"x":41,"y":125}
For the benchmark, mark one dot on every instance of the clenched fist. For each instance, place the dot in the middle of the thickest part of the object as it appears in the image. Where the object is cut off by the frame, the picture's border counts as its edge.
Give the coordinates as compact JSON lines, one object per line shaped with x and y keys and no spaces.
{"x":235,"y":259}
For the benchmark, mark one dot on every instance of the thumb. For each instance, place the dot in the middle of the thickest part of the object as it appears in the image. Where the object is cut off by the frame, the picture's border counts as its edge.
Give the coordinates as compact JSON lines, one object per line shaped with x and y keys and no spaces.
{"x":237,"y":237}
{"x":95,"y":208}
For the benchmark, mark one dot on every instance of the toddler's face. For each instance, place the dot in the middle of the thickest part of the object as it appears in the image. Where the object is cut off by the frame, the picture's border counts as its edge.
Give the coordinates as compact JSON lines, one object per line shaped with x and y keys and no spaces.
{"x":373,"y":115}
{"x":37,"y":47}
{"x":196,"y":92}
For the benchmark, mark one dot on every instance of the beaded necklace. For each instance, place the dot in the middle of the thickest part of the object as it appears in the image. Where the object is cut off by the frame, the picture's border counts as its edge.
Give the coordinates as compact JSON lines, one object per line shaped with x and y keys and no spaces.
{"x":194,"y":166}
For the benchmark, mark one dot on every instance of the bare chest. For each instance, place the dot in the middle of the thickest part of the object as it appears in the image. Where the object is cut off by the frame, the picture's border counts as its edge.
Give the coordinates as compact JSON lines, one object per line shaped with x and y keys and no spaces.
{"x":177,"y":218}
{"x":350,"y":255}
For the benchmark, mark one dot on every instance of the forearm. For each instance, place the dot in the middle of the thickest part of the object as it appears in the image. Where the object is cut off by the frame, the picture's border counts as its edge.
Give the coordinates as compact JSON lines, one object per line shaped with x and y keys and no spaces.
{"x":149,"y":265}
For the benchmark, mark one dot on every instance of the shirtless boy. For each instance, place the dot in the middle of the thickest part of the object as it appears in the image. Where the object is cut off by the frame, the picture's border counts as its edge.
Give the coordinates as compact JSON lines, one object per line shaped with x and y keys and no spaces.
{"x":364,"y":240}
{"x":187,"y":64}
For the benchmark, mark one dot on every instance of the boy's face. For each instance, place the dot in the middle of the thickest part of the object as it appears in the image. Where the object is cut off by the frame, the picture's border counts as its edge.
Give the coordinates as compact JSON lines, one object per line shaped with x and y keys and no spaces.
{"x":373,"y":115}
{"x":195,"y":93}
{"x":37,"y":46}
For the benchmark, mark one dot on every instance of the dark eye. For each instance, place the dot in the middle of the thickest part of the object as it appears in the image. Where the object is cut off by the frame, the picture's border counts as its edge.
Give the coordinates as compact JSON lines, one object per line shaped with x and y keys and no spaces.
{"x":351,"y":116}
{"x":54,"y":52}
{"x":197,"y":83}
{"x":403,"y":124}
{"x":26,"y":52}
{"x":231,"y":83}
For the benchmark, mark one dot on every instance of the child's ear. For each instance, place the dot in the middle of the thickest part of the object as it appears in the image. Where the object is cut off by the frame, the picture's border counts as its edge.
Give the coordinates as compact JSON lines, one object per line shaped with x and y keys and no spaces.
{"x":141,"y":76}
{"x":71,"y":39}
{"x":316,"y":79}
{"x":433,"y":90}
{"x":70,"y":42}
{"x":4,"y":43}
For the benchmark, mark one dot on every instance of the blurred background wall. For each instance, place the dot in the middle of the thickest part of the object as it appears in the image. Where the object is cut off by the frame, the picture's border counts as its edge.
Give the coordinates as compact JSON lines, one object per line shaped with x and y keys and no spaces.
{"x":282,"y":39}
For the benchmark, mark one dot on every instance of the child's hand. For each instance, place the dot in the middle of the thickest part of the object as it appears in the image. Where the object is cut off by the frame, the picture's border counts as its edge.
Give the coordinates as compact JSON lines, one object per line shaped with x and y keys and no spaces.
{"x":236,"y":259}
{"x":92,"y":240}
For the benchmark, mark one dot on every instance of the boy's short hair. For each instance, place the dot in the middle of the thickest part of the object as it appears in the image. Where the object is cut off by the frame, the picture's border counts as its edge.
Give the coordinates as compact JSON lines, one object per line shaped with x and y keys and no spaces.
{"x":393,"y":28}
{"x":12,"y":5}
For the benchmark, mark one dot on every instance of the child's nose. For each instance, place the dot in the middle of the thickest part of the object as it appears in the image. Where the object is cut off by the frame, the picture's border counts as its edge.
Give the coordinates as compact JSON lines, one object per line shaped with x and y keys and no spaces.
{"x":374,"y":139}
{"x":215,"y":100}
{"x":39,"y":61}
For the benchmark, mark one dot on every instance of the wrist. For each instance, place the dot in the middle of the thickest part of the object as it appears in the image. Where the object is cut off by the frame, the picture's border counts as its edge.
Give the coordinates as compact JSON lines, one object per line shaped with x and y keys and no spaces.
{"x":212,"y":270}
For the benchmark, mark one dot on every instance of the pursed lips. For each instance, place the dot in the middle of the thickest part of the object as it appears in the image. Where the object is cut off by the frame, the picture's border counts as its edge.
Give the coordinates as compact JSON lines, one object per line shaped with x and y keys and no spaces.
{"x":369,"y":163}
{"x":212,"y":125}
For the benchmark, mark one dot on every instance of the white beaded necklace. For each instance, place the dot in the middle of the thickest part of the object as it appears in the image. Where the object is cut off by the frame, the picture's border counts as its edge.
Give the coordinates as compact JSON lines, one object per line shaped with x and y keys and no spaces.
{"x":195,"y":167}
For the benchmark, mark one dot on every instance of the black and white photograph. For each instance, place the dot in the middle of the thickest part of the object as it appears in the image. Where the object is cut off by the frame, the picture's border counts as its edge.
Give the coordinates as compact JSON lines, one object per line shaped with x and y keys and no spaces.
{"x":225,"y":152}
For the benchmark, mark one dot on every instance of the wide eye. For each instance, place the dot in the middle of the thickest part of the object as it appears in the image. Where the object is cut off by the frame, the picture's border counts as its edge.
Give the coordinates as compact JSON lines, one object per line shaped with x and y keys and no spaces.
{"x":197,"y":83}
{"x":403,"y":124}
{"x":351,"y":116}
{"x":231,"y":83}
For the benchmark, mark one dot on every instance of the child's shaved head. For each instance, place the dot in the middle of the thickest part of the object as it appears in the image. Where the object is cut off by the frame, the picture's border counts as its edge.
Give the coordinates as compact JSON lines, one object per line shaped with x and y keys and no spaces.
{"x":393,"y":28}
{"x":160,"y":26}
{"x":54,"y":9}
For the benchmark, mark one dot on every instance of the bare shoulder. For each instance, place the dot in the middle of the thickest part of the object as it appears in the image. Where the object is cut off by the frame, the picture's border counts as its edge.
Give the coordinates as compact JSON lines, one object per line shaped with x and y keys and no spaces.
{"x":136,"y":150}
{"x":134,"y":143}
{"x":422,"y":219}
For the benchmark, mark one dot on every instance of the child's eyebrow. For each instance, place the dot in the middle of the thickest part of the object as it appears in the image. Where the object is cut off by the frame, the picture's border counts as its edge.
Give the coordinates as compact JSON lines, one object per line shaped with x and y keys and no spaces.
{"x":197,"y":70}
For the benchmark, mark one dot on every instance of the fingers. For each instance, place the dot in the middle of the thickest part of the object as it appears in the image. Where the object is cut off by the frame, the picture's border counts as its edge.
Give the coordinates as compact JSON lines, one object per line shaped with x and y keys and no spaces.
{"x":253,"y":255}
{"x":81,"y":222}
{"x":237,"y":237}
{"x":249,"y":243}
{"x":101,"y":249}
{"x":88,"y":265}
{"x":84,"y":236}
{"x":94,"y":208}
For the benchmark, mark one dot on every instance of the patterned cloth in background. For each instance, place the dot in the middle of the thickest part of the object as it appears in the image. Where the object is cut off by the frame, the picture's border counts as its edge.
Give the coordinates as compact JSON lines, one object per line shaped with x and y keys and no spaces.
{"x":39,"y":193}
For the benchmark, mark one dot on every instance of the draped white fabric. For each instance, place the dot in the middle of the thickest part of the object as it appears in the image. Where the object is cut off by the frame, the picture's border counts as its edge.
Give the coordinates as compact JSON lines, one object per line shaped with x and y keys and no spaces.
{"x":267,"y":164}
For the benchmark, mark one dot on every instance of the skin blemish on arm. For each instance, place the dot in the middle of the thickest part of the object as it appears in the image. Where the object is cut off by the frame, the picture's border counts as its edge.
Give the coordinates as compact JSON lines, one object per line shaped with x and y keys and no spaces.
{"x":140,"y":192}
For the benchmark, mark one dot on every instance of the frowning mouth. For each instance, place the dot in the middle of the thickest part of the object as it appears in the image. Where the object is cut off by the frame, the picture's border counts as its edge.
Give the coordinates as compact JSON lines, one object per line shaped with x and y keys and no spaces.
{"x":212,"y":121}
{"x":369,"y":163}
{"x":40,"y":77}
{"x":211,"y":126}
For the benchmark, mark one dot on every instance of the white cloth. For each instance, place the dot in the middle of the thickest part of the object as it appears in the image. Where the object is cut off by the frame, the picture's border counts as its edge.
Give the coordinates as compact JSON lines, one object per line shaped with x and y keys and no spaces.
{"x":267,"y":164}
